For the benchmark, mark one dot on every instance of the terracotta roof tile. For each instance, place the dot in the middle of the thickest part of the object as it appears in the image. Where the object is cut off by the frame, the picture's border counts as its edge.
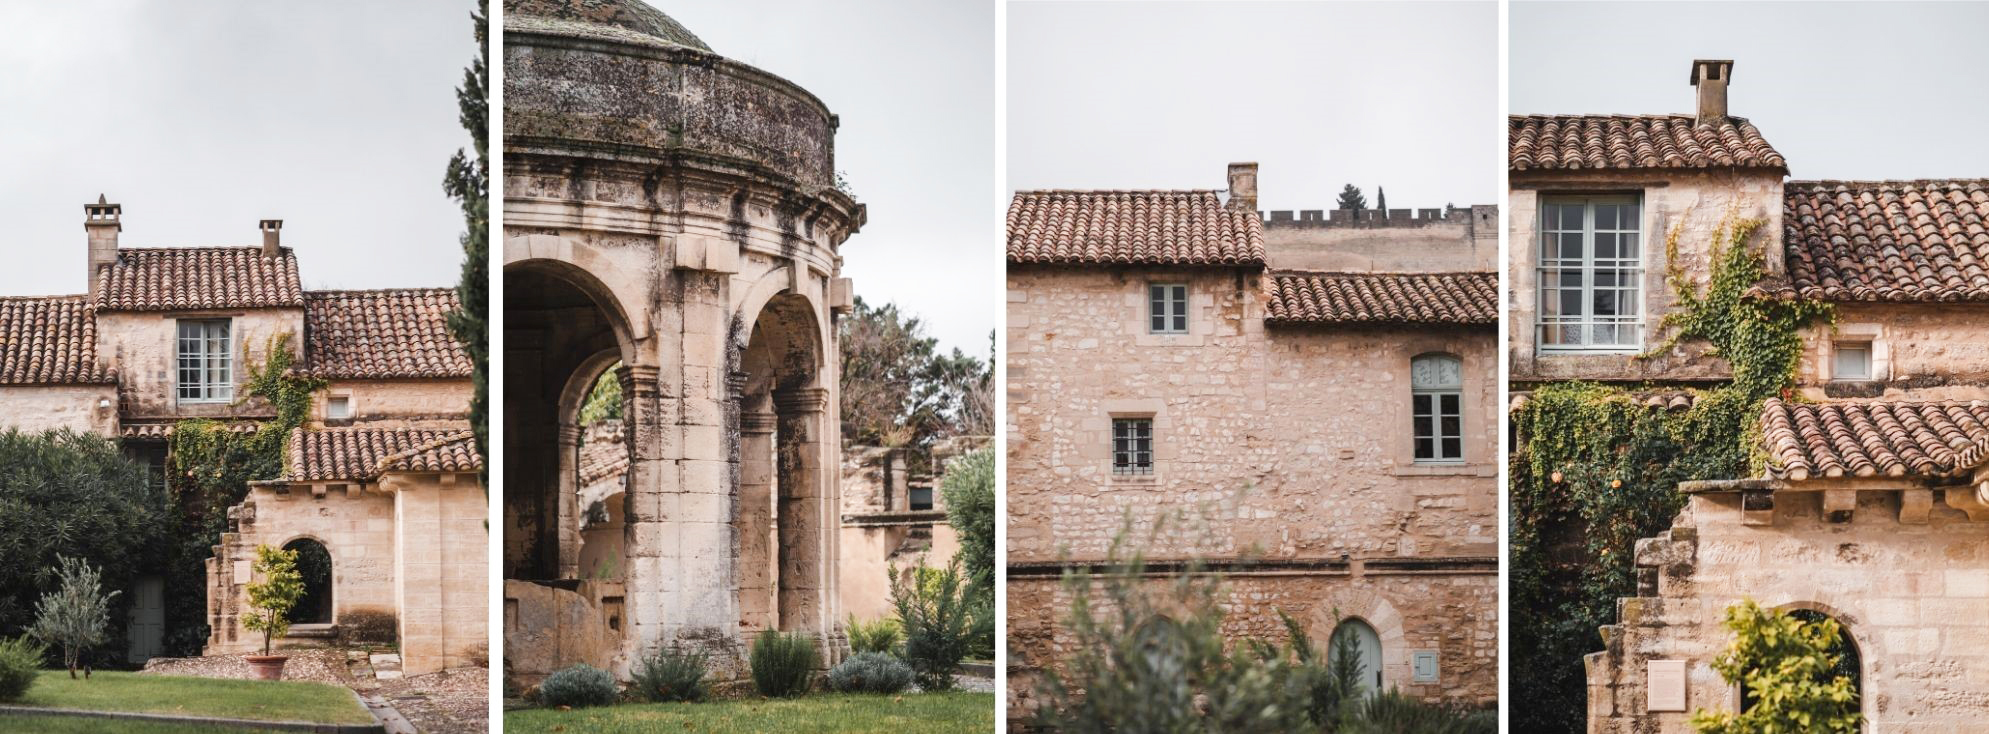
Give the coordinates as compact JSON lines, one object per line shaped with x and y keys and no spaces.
{"x":1132,"y":228}
{"x":1628,"y":142}
{"x":363,"y":454}
{"x":382,"y":334}
{"x":162,"y":431}
{"x":178,"y":278}
{"x":604,"y":454}
{"x":49,"y":341}
{"x":1887,"y":240}
{"x":1867,"y":439}
{"x":1392,"y":298}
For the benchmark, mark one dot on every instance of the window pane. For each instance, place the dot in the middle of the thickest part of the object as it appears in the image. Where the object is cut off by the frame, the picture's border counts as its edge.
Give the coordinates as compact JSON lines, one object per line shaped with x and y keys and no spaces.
{"x":1425,"y":448}
{"x":1450,"y":404}
{"x":1452,"y":426}
{"x":1422,"y":404}
{"x":1605,"y":302}
{"x":1605,"y":245}
{"x":1423,"y":426}
{"x":1453,"y":448}
{"x":1571,"y":218}
{"x":1605,"y":217}
{"x":1629,"y":240}
{"x":1181,"y":323}
{"x":1571,"y":246}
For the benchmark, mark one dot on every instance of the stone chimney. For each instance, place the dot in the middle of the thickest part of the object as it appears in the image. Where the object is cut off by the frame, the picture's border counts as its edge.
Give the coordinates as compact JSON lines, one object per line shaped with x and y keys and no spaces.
{"x":272,"y":237}
{"x":100,"y":222}
{"x":1243,"y":187}
{"x":1711,"y":77}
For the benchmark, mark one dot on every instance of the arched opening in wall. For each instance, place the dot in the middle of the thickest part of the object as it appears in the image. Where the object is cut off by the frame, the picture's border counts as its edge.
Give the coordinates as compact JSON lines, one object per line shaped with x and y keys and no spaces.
{"x":314,"y":564}
{"x":782,"y":421}
{"x":1849,"y":662}
{"x":1354,"y":643}
{"x":560,"y":342}
{"x":602,"y":474}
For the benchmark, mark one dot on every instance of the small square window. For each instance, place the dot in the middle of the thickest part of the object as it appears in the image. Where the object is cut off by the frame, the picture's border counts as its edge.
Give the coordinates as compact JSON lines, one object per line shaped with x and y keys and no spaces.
{"x":1853,"y":361}
{"x":1424,"y":664}
{"x":1167,"y":308}
{"x":921,"y":498}
{"x":1132,"y":446}
{"x":338,"y":407}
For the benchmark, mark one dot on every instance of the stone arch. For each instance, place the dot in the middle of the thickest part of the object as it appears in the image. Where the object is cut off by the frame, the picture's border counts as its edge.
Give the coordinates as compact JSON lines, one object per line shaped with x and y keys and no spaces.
{"x":1378,"y":613}
{"x":592,"y":543}
{"x":781,"y":517}
{"x":1856,"y":655}
{"x":316,"y":566}
{"x":576,"y":262}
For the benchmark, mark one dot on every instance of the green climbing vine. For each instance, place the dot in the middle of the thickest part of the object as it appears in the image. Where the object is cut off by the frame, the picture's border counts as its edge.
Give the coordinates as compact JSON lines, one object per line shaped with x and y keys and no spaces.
{"x":1594,"y":469}
{"x":209,"y":465}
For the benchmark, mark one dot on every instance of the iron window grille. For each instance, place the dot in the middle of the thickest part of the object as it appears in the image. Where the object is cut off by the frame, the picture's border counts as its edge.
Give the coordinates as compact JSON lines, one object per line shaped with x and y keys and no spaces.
{"x":1132,"y":446}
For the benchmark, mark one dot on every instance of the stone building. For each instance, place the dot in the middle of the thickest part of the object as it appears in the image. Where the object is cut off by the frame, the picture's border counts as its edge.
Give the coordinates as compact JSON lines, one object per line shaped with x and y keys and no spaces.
{"x":676,"y":213}
{"x":1326,"y":386}
{"x":1873,"y":508}
{"x":382,"y":479}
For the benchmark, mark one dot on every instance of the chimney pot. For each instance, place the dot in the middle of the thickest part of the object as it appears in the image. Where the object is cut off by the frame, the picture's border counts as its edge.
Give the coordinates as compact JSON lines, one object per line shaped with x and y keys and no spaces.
{"x":272,"y":237}
{"x":1243,"y":187}
{"x":1711,"y":77}
{"x":101,"y":224}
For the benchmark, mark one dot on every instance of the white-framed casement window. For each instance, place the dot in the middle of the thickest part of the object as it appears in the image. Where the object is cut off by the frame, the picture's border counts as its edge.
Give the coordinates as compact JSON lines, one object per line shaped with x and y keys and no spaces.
{"x":1437,"y":408}
{"x":1591,"y":274}
{"x":206,"y":361}
{"x":1132,"y":446}
{"x":338,"y":407}
{"x":1167,"y":308}
{"x":1851,"y":361}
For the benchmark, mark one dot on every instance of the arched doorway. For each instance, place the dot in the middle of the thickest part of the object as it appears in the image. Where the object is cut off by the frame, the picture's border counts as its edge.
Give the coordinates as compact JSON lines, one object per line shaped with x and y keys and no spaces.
{"x":1849,"y":663}
{"x":1359,"y":639}
{"x":314,"y":563}
{"x":782,"y":421}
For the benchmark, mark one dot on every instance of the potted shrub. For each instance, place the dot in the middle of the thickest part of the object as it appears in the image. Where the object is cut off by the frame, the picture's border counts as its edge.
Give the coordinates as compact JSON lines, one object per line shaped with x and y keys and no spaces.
{"x":270,"y":601}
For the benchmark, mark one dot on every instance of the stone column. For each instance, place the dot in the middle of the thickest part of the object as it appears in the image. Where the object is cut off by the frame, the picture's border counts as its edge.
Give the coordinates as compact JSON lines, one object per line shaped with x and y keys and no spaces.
{"x":568,"y":502}
{"x":805,"y":515}
{"x":756,"y":520}
{"x":652,"y":477}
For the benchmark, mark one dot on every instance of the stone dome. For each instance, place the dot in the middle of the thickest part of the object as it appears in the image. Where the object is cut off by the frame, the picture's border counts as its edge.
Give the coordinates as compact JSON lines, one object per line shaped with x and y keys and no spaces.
{"x":615,"y":20}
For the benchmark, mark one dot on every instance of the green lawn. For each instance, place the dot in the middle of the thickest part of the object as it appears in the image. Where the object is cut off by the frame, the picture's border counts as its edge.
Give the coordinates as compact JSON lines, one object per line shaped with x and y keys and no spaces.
{"x":82,"y":725}
{"x":189,"y":696}
{"x":917,"y":712}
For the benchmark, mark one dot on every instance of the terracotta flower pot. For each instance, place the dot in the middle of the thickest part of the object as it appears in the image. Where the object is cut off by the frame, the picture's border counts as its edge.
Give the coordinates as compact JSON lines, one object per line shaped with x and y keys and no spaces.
{"x":267,"y":667}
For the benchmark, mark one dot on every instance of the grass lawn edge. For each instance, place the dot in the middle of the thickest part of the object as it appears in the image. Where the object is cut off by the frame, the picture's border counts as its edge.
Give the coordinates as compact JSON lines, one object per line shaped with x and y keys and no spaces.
{"x":10,"y":711}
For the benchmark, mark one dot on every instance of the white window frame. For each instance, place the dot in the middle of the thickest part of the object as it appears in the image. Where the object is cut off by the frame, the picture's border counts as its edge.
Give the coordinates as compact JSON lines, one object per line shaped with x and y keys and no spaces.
{"x":1167,"y":304}
{"x":331,"y":403}
{"x":204,"y":361}
{"x":1628,"y":271}
{"x":1837,"y":350}
{"x":1132,"y":446}
{"x":1432,"y":378}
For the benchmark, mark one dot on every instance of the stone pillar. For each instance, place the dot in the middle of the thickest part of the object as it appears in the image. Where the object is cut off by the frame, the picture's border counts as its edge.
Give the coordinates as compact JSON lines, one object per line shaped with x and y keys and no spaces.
{"x":652,"y":478}
{"x":806,"y":512}
{"x":568,"y":502}
{"x":442,"y":582}
{"x":756,"y":520}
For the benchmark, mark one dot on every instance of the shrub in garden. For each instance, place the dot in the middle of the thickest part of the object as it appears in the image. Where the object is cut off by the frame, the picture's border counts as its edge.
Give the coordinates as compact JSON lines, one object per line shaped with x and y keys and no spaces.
{"x":1391,"y":712}
{"x":671,"y":674}
{"x":64,"y":493}
{"x":271,"y":598}
{"x":782,"y":663}
{"x":882,"y":635}
{"x":20,"y":662}
{"x":577,"y":686}
{"x":74,"y":615}
{"x":932,"y":609}
{"x":1791,"y":666}
{"x":870,"y":672}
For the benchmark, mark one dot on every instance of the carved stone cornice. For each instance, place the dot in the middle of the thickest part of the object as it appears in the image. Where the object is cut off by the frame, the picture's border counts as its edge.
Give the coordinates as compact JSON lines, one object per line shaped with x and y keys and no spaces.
{"x":801,"y":400}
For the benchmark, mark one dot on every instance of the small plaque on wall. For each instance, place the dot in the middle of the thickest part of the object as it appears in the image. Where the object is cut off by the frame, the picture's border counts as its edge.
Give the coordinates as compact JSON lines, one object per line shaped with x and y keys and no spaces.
{"x":1664,"y":685}
{"x":1423,"y":666}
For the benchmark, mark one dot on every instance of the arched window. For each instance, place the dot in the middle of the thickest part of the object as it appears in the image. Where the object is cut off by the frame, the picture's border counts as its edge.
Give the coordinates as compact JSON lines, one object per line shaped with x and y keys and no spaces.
{"x":1846,"y":650}
{"x":315,"y":565}
{"x":1437,"y":408}
{"x":1357,"y":638}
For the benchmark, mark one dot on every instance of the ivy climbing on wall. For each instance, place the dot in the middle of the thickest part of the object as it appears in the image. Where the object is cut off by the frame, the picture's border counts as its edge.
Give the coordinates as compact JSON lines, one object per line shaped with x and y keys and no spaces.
{"x":1594,"y":469}
{"x":208,"y":468}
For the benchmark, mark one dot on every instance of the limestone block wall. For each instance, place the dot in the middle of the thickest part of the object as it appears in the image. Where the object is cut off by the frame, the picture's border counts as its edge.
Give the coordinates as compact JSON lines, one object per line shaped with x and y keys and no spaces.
{"x":1913,"y":596}
{"x":46,"y":407}
{"x":144,"y":348}
{"x":871,"y":553}
{"x":442,"y":572}
{"x":1439,"y":244}
{"x":1919,"y":352}
{"x":1693,"y":203}
{"x":355,"y":525}
{"x":1453,"y":614}
{"x":407,"y":403}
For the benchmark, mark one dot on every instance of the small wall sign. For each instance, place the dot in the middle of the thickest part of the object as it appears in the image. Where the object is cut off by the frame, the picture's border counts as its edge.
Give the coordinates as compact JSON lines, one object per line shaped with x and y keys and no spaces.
{"x":1664,"y":685}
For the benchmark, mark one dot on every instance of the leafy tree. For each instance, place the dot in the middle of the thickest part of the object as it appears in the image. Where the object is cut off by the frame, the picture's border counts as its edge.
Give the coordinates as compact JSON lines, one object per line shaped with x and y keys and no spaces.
{"x":1351,"y":198}
{"x":1789,"y":669}
{"x":1380,"y":198}
{"x":604,"y":400}
{"x":899,"y":391}
{"x":968,"y":487}
{"x":75,"y":495}
{"x":73,"y":617}
{"x":468,"y":181}
{"x":271,"y":598}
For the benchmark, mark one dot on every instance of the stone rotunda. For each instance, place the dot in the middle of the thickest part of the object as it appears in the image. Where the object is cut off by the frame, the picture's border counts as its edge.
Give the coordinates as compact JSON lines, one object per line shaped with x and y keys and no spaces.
{"x":670,"y":215}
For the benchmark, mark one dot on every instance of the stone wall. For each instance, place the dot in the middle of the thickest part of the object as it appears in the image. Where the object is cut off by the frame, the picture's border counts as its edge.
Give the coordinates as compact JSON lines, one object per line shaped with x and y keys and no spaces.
{"x":1693,"y":203}
{"x":45,"y":407}
{"x":405,"y":403}
{"x":1467,"y":239}
{"x":1919,"y":352}
{"x":356,"y":526}
{"x":1912,"y":592}
{"x":143,"y":346}
{"x":442,"y":571}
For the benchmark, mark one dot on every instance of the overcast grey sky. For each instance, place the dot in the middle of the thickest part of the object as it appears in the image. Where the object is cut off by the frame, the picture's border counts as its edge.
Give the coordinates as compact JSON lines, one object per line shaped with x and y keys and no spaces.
{"x":202,"y":117}
{"x":913,"y":81}
{"x":1164,"y":95}
{"x":1844,"y":90}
